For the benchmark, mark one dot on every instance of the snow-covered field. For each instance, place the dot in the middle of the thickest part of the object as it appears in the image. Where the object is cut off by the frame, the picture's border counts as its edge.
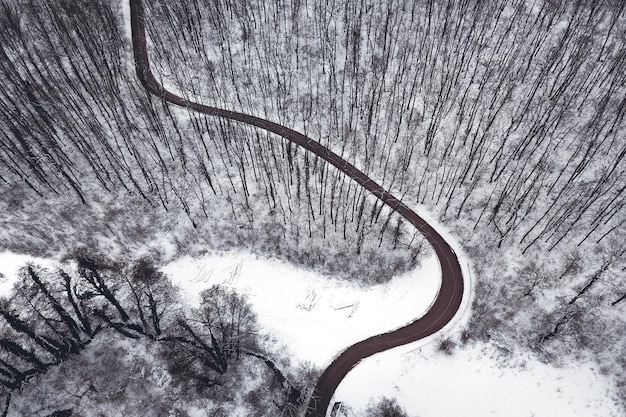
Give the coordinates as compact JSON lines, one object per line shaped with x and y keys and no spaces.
{"x":316,"y":317}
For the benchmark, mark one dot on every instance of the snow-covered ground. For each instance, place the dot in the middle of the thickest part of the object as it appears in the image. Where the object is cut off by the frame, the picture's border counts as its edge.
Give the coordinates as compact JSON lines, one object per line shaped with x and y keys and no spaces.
{"x":316,"y":317}
{"x":10,"y":264}
{"x":478,"y":381}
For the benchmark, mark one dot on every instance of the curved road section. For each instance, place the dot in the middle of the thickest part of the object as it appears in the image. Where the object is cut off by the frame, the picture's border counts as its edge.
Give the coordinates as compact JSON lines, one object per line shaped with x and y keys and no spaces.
{"x":450,"y":294}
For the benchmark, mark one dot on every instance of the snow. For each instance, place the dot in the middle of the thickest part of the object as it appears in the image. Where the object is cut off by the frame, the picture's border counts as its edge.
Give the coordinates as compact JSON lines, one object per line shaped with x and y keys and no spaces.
{"x":477,"y":381}
{"x":302,"y":308}
{"x":125,"y":10}
{"x":10,"y":263}
{"x":316,"y":317}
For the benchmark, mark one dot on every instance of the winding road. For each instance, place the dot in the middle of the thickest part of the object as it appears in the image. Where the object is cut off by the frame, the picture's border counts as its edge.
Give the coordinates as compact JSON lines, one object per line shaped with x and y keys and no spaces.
{"x":450,"y":294}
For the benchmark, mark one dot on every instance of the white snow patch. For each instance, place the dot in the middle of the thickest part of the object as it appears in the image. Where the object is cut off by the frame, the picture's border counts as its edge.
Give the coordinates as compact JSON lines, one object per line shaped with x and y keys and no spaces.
{"x":475,"y":381}
{"x":125,"y":8}
{"x":10,"y":264}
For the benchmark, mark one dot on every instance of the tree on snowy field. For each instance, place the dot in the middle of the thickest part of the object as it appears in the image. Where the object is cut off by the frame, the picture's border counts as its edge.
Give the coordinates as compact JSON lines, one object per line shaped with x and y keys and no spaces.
{"x":199,"y":348}
{"x":215,"y":345}
{"x":229,"y":317}
{"x":133,"y":299}
{"x":43,"y":325}
{"x":153,"y":295}
{"x":385,"y":407}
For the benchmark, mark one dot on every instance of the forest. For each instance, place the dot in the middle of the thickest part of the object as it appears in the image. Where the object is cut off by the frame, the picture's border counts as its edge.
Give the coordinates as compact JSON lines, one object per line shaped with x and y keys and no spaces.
{"x":505,"y":119}
{"x":98,"y":337}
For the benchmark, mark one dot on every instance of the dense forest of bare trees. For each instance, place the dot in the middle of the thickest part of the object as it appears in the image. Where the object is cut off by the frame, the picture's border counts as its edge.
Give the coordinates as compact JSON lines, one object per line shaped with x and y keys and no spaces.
{"x":508,"y":112}
{"x":76,"y":121}
{"x":505,"y":118}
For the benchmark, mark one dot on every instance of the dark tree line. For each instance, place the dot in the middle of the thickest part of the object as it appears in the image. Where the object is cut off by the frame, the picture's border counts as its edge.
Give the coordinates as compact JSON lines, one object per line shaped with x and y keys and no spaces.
{"x":54,"y":316}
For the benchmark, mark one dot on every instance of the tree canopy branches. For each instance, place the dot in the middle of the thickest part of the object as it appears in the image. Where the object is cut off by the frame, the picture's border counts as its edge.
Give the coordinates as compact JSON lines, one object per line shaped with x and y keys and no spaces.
{"x":54,"y":316}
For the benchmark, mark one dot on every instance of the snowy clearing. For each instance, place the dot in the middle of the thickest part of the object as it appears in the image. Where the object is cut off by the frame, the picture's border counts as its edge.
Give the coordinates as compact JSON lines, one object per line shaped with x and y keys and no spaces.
{"x":478,"y":381}
{"x":316,"y":317}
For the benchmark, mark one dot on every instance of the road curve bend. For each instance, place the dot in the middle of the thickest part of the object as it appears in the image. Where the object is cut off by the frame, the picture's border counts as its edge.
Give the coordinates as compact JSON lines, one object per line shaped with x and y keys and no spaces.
{"x":450,"y":294}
